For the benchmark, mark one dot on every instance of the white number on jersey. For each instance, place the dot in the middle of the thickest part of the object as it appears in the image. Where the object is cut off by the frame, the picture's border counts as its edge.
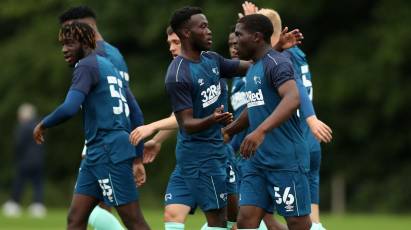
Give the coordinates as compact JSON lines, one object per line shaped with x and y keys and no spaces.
{"x":287,"y":198}
{"x":116,"y":93}
{"x":306,"y":82}
{"x":106,"y":188}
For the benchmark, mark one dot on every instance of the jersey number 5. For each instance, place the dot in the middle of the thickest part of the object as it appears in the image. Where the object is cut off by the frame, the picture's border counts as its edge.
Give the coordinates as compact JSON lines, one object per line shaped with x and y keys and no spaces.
{"x":117,"y":93}
{"x":307,"y":82}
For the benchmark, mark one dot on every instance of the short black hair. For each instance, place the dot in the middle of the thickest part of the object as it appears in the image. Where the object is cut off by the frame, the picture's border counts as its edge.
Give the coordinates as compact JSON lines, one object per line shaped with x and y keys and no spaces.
{"x":78,"y":31}
{"x":182,"y":15}
{"x":77,"y":12}
{"x":258,"y":23}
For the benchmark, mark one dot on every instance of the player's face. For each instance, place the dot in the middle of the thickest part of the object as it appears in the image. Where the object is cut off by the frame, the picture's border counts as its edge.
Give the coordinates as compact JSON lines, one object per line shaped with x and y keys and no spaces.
{"x":200,"y":34}
{"x":72,"y":51}
{"x":232,"y":45}
{"x":174,"y":43}
{"x":245,"y":42}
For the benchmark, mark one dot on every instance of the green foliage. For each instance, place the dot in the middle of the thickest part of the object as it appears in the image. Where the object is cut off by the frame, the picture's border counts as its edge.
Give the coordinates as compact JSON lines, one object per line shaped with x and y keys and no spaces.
{"x":358,"y":53}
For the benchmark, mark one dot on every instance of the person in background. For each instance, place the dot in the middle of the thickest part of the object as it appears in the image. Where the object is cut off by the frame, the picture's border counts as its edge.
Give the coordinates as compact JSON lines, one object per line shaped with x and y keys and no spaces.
{"x":29,"y":163}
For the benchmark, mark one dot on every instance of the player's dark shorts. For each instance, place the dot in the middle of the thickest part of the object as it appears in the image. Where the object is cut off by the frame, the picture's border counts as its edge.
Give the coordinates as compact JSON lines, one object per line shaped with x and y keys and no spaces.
{"x":232,"y":186}
{"x":287,"y":192}
{"x":314,"y":176}
{"x":108,"y":182}
{"x":207,"y":192}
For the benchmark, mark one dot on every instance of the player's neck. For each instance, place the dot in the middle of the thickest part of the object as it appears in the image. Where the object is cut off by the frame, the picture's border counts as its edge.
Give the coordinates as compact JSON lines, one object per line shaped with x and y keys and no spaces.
{"x":87,"y":52}
{"x":190,"y":53}
{"x":261,"y":52}
{"x":98,"y":36}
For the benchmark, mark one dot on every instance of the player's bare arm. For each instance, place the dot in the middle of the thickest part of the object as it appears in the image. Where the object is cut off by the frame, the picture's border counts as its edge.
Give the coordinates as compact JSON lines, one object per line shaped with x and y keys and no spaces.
{"x":139,"y":172}
{"x":144,"y":131}
{"x":242,"y":68}
{"x":289,"y":103}
{"x":152,"y":147}
{"x":190,"y":124}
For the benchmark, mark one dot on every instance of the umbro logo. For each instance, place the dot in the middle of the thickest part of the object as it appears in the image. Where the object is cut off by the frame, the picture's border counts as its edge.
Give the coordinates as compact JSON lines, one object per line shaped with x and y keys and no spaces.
{"x":223,"y":196}
{"x":201,"y":81}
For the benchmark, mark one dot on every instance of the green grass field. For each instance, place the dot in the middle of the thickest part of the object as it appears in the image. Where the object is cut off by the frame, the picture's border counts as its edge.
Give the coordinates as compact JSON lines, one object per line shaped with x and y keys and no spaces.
{"x":56,"y":220}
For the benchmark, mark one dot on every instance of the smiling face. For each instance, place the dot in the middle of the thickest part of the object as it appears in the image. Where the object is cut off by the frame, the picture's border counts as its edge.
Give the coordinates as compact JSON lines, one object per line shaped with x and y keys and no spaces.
{"x":174,"y":44}
{"x":199,"y":34}
{"x":245,"y":42}
{"x":72,"y":50}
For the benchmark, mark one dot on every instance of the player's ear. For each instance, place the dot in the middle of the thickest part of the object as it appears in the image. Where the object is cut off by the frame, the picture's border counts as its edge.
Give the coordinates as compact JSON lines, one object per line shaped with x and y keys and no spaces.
{"x":258,"y":36}
{"x":185,"y":32}
{"x":86,"y":47}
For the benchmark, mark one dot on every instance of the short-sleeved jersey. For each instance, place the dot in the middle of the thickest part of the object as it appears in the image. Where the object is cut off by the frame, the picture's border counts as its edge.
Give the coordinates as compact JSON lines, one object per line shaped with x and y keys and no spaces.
{"x":284,"y":147}
{"x":302,"y":71}
{"x":197,"y":86}
{"x":105,"y":49}
{"x":105,"y":108}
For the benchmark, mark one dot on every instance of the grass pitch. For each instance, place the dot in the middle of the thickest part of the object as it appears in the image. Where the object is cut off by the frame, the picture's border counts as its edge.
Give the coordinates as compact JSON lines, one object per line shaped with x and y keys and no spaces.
{"x":56,"y":219}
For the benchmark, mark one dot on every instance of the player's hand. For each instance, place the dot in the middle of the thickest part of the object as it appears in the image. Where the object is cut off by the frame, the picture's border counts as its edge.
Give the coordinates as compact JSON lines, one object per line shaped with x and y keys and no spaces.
{"x":224,"y":118}
{"x":38,"y":133}
{"x":321,"y":131}
{"x":248,"y":8}
{"x":251,"y":142}
{"x":139,"y":172}
{"x":141,"y":132}
{"x":289,"y":39}
{"x":151,"y":150}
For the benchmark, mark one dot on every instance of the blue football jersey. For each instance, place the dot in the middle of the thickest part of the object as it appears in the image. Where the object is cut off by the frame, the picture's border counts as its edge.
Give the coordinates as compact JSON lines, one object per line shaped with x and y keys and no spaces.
{"x":197,"y":86}
{"x":238,"y":98}
{"x":284,"y":147}
{"x":302,"y":71}
{"x":105,"y":49}
{"x":238,"y":101}
{"x":105,"y":109}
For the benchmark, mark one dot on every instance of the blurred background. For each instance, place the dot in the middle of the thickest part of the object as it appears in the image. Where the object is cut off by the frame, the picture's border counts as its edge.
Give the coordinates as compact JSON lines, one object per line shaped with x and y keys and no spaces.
{"x":357,"y":50}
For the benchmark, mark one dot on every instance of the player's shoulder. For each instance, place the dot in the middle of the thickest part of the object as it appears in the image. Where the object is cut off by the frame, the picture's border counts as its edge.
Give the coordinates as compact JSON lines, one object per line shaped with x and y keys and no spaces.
{"x":90,"y":61}
{"x":211,"y":55}
{"x":114,"y":50}
{"x":178,"y":70}
{"x":295,"y":52}
{"x":274,"y":58}
{"x":104,"y":49}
